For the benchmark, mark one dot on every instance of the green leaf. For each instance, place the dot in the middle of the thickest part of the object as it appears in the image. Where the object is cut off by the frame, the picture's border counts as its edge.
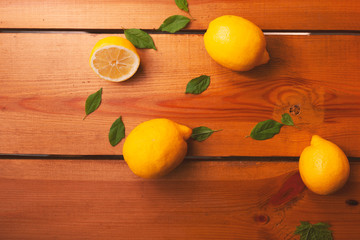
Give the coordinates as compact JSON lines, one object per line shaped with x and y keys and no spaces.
{"x":182,"y":4}
{"x":117,"y":132}
{"x":265,"y":130}
{"x":202,"y":133}
{"x":198,"y":85}
{"x":174,"y":23}
{"x":287,"y":120}
{"x":318,"y":231}
{"x":93,"y":102}
{"x":139,"y":38}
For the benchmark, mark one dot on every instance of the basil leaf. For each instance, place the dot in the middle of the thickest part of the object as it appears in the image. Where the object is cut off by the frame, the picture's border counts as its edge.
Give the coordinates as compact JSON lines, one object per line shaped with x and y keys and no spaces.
{"x":198,"y":85}
{"x":308,"y":231}
{"x":174,"y":23}
{"x":182,"y":4}
{"x":287,"y":120}
{"x":93,"y":102}
{"x":202,"y":133}
{"x":139,"y":38}
{"x":265,"y":130}
{"x":117,"y":132}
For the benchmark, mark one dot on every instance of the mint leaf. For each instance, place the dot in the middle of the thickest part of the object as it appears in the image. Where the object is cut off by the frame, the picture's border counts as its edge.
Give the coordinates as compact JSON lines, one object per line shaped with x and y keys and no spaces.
{"x":265,"y":130}
{"x":198,"y":85}
{"x":139,"y":38}
{"x":318,"y":231}
{"x":182,"y":4}
{"x":117,"y":132}
{"x":287,"y":120}
{"x":174,"y":23}
{"x":202,"y":133}
{"x":93,"y":102}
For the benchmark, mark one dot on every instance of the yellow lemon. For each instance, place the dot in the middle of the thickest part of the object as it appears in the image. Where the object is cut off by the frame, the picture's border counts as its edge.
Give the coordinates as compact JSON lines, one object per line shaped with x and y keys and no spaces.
{"x":114,"y":59}
{"x":236,"y":43}
{"x":323,"y":166}
{"x":156,"y":147}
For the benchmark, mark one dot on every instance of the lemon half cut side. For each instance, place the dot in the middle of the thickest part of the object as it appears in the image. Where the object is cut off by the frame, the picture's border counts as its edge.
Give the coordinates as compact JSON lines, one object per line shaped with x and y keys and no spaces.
{"x":114,"y":59}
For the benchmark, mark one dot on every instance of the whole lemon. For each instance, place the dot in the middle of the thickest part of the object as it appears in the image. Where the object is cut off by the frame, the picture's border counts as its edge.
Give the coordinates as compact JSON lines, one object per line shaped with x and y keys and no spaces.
{"x":323,"y":166}
{"x":156,"y":147}
{"x":236,"y":43}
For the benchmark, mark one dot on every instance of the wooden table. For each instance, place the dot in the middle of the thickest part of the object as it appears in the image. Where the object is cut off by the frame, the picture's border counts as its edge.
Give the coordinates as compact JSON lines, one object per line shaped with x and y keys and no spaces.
{"x":61,"y":179}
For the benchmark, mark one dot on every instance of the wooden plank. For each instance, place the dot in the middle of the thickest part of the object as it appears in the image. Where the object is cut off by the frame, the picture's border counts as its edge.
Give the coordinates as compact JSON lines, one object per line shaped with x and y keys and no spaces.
{"x":92,"y":199}
{"x":114,"y":14}
{"x":46,"y":80}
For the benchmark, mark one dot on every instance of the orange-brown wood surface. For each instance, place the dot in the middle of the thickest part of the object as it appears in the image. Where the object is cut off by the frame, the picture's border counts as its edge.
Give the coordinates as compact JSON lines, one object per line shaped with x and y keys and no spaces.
{"x":92,"y":199}
{"x":46,"y":79}
{"x":61,"y":179}
{"x":115,"y":14}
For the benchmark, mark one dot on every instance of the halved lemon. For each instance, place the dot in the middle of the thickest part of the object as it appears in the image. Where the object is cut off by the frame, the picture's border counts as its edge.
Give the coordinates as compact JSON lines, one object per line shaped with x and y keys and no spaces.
{"x":114,"y":58}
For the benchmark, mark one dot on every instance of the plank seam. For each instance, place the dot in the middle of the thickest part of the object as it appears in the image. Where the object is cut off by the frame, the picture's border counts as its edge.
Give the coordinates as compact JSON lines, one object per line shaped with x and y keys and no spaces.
{"x":154,"y":31}
{"x":187,"y":158}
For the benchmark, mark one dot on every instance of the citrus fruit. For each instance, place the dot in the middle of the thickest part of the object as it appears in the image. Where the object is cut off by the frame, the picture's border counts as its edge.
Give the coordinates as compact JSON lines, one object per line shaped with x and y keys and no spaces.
{"x":114,"y":58}
{"x":323,"y":166}
{"x":236,"y":43}
{"x":156,"y":147}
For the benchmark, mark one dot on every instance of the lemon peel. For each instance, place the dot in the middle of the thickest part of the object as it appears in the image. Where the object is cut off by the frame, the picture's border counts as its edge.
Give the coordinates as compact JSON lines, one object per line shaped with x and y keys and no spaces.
{"x":323,"y":166}
{"x":236,"y":43}
{"x":155,"y":147}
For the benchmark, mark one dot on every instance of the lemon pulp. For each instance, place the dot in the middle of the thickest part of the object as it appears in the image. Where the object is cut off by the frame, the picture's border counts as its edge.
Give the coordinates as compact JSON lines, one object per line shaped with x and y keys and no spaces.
{"x":114,"y":59}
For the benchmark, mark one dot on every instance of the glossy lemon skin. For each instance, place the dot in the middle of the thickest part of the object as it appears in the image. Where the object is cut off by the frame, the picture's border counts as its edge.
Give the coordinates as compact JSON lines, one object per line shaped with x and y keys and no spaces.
{"x":236,"y":43}
{"x":323,"y":166}
{"x":155,"y":147}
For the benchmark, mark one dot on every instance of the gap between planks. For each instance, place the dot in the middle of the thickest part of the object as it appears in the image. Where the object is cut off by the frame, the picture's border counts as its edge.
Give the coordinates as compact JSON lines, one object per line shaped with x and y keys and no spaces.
{"x":154,"y":31}
{"x":187,"y":158}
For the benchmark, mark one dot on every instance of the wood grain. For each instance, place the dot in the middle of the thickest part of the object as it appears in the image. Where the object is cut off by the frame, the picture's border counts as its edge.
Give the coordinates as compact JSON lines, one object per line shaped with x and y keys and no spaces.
{"x":46,"y":79}
{"x":114,"y":14}
{"x":92,"y":199}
